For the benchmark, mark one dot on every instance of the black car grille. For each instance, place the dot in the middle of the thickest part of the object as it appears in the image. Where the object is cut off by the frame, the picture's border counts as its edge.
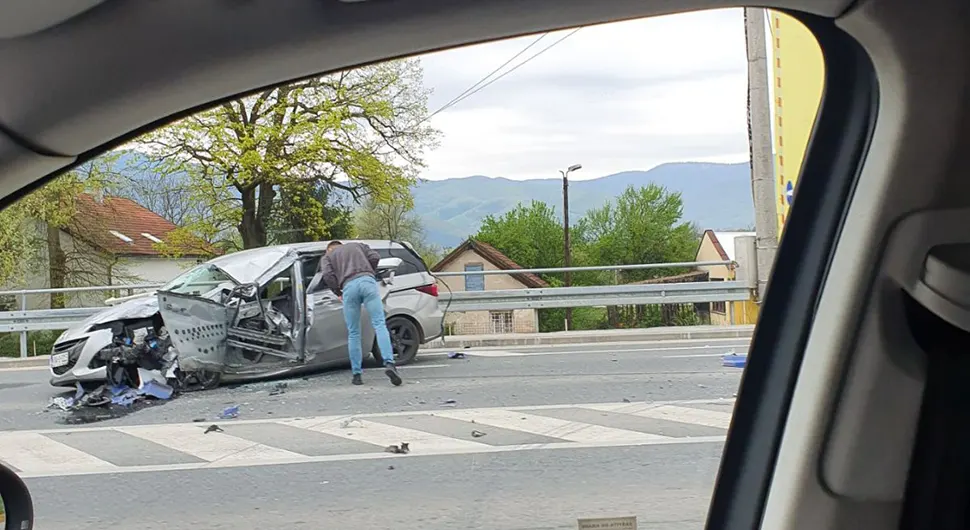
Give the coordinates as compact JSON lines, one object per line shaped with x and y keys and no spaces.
{"x":73,"y":349}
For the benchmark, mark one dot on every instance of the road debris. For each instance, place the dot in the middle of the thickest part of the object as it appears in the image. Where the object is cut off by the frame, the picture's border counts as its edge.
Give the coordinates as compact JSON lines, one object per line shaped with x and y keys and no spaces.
{"x":449,"y":403}
{"x":733,"y":360}
{"x":63,"y":403}
{"x":352,"y":423}
{"x":229,"y":413}
{"x":402,"y":449}
{"x":625,"y":400}
{"x":280,"y":388}
{"x":213,"y":428}
{"x":456,"y":355}
{"x":478,"y":434}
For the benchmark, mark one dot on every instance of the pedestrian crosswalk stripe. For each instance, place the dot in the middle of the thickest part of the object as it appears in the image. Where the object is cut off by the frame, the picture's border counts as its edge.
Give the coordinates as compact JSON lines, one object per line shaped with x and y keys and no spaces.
{"x":247,"y":443}
{"x":213,"y":447}
{"x":709,"y":418}
{"x":35,"y":453}
{"x":555,"y":428}
{"x":383,"y":435}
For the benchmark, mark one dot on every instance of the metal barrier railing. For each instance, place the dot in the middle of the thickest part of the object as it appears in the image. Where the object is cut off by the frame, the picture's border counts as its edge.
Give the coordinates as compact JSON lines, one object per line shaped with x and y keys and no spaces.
{"x":24,"y":320}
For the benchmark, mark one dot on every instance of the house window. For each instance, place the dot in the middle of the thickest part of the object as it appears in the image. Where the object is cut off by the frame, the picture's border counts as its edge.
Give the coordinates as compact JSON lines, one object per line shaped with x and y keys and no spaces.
{"x":474,"y":282}
{"x":501,"y":321}
{"x":718,"y":307}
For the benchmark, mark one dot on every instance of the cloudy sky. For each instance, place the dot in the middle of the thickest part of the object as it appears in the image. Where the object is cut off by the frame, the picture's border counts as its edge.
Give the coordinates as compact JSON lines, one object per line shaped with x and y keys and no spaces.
{"x":623,"y":96}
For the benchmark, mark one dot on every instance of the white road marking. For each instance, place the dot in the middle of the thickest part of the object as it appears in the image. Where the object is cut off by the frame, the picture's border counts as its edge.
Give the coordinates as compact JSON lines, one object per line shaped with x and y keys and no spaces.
{"x":212,"y":447}
{"x":383,"y":435}
{"x":707,"y":418}
{"x":413,"y":366}
{"x":572,"y":431}
{"x":35,"y":453}
{"x":689,"y":355}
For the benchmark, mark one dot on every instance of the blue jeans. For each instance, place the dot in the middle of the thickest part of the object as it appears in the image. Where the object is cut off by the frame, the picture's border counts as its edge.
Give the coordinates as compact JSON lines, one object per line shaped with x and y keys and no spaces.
{"x":359,"y":292}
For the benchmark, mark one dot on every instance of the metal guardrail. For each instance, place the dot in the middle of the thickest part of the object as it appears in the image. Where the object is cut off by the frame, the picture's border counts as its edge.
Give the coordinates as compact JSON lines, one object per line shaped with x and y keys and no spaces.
{"x":546,"y":298}
{"x":612,"y":295}
{"x":24,"y":320}
{"x":549,"y":270}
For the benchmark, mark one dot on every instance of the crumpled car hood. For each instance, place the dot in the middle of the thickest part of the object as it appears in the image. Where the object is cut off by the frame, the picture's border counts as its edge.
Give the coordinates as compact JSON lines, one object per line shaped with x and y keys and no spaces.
{"x":136,"y":308}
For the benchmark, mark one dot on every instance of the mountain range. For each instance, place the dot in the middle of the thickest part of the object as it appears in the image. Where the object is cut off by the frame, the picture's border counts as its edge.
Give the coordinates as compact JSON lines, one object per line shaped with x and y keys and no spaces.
{"x":716,"y":196}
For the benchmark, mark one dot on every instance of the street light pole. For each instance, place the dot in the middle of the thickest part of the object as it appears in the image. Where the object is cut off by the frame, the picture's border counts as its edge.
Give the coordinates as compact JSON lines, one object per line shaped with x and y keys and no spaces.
{"x":567,"y":257}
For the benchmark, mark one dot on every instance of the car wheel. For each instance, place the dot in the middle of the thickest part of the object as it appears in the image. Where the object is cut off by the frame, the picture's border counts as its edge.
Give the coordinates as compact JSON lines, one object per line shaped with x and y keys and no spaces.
{"x":405,"y":340}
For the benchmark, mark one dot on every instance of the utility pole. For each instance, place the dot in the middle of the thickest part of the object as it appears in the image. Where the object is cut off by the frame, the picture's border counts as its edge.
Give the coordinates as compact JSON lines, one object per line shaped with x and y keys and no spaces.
{"x":567,"y":257}
{"x":760,"y":146}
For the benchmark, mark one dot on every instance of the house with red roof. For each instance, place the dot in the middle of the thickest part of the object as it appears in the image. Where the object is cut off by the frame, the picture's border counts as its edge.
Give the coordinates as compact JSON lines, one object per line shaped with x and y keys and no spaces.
{"x":475,"y":255}
{"x":113,"y":241}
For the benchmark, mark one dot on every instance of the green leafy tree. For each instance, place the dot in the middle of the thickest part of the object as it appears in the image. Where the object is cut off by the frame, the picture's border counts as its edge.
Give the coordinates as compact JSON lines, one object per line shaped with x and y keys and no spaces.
{"x":531,"y":235}
{"x":288,"y":227}
{"x":255,"y":160}
{"x":395,"y":221}
{"x":643,"y":225}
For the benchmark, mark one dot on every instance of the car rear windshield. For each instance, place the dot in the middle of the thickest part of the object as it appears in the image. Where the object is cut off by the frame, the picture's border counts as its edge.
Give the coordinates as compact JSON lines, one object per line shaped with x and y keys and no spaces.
{"x":412,"y":263}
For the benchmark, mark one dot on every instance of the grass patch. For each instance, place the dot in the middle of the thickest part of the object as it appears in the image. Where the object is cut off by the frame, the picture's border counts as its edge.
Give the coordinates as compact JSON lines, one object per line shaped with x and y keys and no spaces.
{"x":39,"y":341}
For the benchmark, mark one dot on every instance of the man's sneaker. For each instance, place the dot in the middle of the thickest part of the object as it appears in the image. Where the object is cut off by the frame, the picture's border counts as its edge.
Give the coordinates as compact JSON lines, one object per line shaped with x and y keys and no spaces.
{"x":357,"y":380}
{"x":391,"y":371}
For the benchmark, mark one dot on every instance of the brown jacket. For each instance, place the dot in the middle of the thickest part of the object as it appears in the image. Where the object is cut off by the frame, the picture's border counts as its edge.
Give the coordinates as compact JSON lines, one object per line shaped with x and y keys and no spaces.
{"x":347,"y":262}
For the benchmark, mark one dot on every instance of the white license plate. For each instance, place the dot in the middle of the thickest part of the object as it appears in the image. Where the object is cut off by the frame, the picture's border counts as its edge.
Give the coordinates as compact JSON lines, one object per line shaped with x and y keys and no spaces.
{"x":59,"y":359}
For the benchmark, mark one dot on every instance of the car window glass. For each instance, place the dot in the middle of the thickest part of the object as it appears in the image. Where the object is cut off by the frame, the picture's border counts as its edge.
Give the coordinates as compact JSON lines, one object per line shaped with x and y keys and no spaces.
{"x":200,"y":279}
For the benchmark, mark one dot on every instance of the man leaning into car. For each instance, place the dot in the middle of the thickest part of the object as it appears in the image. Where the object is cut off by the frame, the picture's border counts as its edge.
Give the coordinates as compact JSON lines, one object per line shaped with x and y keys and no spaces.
{"x":350,"y":271}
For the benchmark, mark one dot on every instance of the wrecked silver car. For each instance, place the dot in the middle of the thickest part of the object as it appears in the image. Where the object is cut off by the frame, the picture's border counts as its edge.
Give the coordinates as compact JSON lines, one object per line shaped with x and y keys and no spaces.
{"x":238,"y":317}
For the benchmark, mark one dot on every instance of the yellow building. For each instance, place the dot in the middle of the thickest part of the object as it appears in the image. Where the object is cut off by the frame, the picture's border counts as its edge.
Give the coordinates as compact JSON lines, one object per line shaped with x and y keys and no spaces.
{"x":798,"y":75}
{"x":719,"y":246}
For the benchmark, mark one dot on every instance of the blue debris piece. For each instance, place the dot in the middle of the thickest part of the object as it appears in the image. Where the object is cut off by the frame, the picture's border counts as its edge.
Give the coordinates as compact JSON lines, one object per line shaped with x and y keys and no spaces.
{"x":733,"y":360}
{"x":157,"y":390}
{"x":126,"y":398}
{"x":229,"y":413}
{"x":117,"y":390}
{"x":456,"y":355}
{"x":78,"y":393}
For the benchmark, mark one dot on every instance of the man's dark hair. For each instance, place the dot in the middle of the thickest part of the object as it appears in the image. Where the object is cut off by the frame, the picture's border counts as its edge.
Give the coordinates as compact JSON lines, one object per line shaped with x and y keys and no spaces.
{"x":334,"y":244}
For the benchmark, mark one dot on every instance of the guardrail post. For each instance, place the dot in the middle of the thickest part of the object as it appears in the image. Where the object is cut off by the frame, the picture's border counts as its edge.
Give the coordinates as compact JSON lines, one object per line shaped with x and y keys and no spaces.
{"x":23,"y":334}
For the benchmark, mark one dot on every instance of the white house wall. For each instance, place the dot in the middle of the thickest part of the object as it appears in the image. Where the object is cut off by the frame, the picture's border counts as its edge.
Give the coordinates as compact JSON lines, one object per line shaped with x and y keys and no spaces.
{"x":128,"y":271}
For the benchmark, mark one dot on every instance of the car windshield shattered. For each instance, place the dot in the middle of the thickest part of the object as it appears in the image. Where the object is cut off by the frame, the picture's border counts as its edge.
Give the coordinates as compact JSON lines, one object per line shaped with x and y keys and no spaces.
{"x":205,"y":276}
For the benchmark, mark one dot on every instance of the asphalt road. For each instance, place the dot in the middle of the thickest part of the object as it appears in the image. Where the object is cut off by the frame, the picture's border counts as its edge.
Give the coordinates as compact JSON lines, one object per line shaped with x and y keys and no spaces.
{"x":560,"y":474}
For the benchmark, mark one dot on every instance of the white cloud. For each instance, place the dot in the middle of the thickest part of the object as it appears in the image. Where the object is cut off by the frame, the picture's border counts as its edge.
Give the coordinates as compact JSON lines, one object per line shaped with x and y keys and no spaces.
{"x":628,"y":95}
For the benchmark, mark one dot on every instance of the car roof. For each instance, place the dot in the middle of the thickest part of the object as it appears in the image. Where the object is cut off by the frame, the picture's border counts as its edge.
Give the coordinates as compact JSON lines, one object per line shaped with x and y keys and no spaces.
{"x":247,"y":265}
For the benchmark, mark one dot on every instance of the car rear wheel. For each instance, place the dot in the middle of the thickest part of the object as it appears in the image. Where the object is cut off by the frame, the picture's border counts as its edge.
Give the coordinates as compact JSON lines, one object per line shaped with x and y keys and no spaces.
{"x":405,"y":341}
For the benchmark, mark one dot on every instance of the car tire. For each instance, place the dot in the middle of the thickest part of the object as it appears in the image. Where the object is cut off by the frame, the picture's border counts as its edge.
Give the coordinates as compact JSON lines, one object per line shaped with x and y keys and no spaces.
{"x":405,"y":340}
{"x":202,"y":380}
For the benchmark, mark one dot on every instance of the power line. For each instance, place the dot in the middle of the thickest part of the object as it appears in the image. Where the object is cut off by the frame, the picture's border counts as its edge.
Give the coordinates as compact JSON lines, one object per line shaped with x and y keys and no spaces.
{"x":490,"y":74}
{"x":473,"y":90}
{"x":516,"y":67}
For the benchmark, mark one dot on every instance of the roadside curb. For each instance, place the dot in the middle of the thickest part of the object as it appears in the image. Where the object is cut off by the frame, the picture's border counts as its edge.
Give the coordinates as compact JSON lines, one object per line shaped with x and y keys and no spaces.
{"x":29,"y":362}
{"x":592,"y":337}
